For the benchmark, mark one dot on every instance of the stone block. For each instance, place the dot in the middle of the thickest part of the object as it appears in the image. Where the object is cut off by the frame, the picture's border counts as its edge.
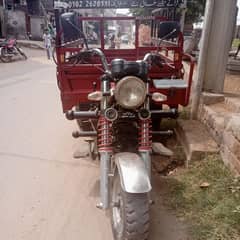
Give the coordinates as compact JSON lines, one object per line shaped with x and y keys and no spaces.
{"x":214,"y":122}
{"x":230,"y":160}
{"x":234,"y":126}
{"x":231,"y":143}
{"x":211,"y":98}
{"x":233,"y":104}
{"x":196,"y":140}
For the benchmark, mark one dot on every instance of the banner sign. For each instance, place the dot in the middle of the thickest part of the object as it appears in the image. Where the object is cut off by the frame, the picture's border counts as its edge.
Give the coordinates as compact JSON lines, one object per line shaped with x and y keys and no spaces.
{"x":88,"y":4}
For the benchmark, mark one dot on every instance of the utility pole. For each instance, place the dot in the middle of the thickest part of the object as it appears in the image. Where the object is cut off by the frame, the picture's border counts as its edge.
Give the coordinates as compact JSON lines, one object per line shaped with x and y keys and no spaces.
{"x":44,"y":14}
{"x":184,"y":10}
{"x":219,"y":22}
{"x":198,"y":84}
{"x":4,"y":18}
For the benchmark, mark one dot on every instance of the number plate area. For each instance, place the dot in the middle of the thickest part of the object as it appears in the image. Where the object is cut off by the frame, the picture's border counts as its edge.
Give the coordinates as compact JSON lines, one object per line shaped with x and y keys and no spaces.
{"x":88,"y":4}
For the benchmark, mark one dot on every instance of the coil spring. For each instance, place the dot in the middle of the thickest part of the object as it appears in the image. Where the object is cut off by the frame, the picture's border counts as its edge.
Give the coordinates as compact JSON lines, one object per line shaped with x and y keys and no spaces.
{"x":145,"y":135}
{"x":104,"y":134}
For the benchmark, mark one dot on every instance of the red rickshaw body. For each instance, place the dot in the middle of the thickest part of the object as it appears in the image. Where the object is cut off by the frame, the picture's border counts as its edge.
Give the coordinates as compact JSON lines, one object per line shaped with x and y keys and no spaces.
{"x":76,"y":81}
{"x":118,"y":95}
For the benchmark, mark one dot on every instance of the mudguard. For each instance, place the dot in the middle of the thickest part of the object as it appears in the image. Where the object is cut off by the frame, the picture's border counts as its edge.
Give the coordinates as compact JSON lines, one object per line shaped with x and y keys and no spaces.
{"x":133,"y":173}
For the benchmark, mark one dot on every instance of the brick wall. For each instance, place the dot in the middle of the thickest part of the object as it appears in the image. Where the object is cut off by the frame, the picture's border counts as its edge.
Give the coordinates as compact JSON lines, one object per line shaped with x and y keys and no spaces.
{"x":230,"y":147}
{"x":222,"y":120}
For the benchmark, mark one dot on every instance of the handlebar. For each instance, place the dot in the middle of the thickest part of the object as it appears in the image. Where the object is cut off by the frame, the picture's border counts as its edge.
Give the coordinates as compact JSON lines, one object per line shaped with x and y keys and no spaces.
{"x":157,"y":59}
{"x":93,"y":52}
{"x":103,"y":58}
{"x":148,"y":56}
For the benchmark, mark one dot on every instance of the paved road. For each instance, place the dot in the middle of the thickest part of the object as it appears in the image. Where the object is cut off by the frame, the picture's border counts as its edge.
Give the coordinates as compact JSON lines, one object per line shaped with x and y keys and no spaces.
{"x":46,"y":194}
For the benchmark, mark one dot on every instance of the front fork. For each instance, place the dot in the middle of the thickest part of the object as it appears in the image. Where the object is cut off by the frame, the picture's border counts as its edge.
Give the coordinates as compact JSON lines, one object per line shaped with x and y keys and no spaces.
{"x":105,"y":158}
{"x":145,"y":143}
{"x":145,"y":137}
{"x":105,"y":149}
{"x":146,"y":157}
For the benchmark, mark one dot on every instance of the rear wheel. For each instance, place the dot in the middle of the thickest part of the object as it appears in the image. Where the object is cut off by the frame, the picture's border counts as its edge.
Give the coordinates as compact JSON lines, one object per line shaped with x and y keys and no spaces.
{"x":129,"y":213}
{"x":4,"y":56}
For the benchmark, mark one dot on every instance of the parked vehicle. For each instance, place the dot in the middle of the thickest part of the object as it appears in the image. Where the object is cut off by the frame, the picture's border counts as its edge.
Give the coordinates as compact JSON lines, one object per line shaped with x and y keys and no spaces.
{"x":116,"y":95}
{"x":9,"y":49}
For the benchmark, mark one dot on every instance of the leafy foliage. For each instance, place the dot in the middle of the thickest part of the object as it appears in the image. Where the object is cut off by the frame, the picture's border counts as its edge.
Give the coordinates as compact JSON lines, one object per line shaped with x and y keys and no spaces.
{"x":195,"y":11}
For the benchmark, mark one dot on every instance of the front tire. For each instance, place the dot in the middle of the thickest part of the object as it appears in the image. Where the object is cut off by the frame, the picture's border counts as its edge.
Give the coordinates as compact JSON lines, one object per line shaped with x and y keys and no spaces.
{"x":129,"y":213}
{"x":22,"y":53}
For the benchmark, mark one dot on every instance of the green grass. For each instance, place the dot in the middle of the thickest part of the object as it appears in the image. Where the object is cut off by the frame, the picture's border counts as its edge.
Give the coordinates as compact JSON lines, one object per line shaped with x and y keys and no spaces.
{"x":236,"y":42}
{"x":213,"y":212}
{"x":185,"y":113}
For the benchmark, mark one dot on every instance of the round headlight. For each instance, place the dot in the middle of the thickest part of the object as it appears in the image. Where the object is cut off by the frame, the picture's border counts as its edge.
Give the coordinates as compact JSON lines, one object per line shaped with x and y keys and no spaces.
{"x":130,"y":92}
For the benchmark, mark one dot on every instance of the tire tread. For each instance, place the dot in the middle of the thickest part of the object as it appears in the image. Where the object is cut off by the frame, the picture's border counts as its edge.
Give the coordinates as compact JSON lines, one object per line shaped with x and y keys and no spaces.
{"x":137,"y":217}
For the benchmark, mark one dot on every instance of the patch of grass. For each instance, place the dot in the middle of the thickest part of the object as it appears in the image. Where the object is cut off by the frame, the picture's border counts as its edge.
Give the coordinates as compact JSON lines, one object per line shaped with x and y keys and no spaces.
{"x":236,"y":42}
{"x":214,"y":211}
{"x":168,"y":124}
{"x":185,"y":113}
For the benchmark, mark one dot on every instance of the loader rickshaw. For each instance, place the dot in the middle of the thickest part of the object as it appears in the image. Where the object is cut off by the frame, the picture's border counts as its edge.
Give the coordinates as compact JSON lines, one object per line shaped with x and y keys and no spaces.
{"x":117,"y":97}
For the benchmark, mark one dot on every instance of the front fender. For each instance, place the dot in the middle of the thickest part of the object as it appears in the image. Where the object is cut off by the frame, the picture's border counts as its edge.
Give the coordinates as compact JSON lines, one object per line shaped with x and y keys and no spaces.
{"x":133,"y":173}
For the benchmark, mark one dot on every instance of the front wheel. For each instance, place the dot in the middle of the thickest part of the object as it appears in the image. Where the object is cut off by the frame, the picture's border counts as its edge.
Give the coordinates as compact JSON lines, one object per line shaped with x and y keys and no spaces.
{"x":22,"y":53}
{"x":129,"y":213}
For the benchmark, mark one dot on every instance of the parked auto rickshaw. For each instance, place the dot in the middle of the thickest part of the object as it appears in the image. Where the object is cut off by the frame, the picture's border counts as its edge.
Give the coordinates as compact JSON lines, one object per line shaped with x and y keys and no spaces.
{"x":117,"y":98}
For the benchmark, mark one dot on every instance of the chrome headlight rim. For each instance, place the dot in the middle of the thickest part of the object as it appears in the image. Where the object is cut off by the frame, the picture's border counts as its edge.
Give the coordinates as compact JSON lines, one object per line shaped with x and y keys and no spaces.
{"x":124,"y":81}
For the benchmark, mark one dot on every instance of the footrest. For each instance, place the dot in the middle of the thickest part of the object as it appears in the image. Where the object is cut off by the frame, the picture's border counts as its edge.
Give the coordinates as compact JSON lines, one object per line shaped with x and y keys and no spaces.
{"x":170,"y":83}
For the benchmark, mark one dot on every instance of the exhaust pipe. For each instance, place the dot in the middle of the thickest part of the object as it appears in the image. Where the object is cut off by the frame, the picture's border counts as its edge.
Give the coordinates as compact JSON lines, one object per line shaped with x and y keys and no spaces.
{"x":78,"y":134}
{"x":71,"y":115}
{"x":171,"y":113}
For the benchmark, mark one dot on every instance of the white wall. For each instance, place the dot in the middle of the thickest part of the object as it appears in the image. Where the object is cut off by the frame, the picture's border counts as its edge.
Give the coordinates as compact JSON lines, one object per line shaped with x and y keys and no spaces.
{"x":16,"y":24}
{"x":36,"y":27}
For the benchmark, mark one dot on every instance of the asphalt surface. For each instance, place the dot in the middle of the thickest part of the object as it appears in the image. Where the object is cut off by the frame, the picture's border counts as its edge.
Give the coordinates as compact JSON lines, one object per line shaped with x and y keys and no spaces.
{"x":46,"y":194}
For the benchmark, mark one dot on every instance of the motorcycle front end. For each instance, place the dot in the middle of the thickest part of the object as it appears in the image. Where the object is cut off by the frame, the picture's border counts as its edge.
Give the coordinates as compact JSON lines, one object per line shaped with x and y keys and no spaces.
{"x":124,"y":145}
{"x":124,"y":141}
{"x":118,"y":102}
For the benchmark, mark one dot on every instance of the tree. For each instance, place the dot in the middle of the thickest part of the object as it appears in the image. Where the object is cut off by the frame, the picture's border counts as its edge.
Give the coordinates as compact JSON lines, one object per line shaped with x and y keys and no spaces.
{"x":195,"y":11}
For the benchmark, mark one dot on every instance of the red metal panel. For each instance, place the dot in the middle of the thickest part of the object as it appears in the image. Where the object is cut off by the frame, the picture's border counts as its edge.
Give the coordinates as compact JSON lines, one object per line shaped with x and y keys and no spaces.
{"x":75,"y":81}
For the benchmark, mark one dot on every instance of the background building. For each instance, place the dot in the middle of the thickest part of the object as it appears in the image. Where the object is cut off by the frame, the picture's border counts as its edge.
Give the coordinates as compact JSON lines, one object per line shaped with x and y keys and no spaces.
{"x":24,"y":18}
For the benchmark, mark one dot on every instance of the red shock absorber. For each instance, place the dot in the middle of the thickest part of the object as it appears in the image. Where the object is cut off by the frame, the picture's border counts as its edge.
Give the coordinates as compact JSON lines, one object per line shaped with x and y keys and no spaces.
{"x":104,"y":135}
{"x":145,"y":135}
